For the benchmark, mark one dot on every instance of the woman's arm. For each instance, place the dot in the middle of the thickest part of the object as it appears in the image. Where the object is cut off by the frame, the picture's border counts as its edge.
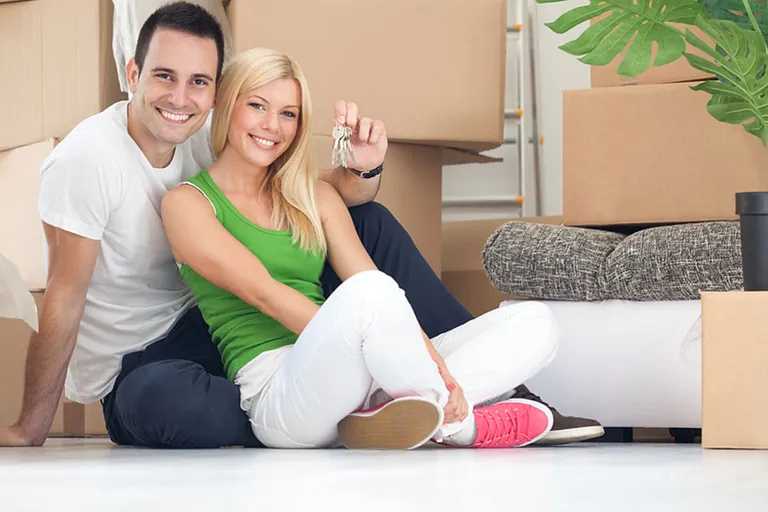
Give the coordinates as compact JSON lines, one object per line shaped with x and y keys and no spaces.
{"x":199,"y":239}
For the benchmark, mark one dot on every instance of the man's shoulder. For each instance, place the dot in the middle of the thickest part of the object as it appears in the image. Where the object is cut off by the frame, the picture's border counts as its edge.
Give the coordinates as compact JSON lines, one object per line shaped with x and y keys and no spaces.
{"x":94,"y":141}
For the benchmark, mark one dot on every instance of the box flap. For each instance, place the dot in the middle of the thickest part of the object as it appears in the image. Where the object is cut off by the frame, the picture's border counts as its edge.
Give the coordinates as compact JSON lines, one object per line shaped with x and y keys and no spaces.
{"x":454,"y":156}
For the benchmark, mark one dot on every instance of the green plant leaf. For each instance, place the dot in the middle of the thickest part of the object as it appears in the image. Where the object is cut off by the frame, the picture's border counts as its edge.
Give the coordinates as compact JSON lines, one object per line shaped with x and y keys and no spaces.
{"x":733,"y":10}
{"x":636,"y":22}
{"x":740,"y":94}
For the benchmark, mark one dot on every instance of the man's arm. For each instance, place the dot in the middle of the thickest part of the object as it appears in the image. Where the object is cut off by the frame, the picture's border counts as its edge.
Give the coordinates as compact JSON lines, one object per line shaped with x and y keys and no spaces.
{"x":353,"y":189}
{"x":72,"y":260}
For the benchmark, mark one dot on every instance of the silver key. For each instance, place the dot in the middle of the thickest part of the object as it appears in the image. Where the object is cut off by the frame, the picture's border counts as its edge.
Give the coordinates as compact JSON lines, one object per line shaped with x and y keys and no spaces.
{"x":342,"y":150}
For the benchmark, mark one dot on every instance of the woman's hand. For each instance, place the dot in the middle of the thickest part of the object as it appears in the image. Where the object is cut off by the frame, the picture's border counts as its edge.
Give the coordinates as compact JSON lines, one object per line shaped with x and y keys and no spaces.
{"x":457,"y":407}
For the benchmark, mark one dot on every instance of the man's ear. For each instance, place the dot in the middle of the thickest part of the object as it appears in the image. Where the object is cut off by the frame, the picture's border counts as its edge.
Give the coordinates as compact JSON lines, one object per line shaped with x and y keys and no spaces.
{"x":132,"y":75}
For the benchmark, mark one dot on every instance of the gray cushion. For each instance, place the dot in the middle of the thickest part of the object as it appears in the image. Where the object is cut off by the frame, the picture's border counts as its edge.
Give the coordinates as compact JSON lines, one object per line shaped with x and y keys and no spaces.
{"x":546,"y":261}
{"x":579,"y":264}
{"x":675,"y":262}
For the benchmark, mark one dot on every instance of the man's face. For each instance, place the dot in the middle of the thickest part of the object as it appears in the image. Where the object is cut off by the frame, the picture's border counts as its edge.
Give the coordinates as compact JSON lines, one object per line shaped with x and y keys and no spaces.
{"x":175,"y":91}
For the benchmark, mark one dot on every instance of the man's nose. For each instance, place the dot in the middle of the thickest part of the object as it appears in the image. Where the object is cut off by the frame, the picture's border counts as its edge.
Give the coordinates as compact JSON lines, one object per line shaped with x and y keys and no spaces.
{"x":179,"y":95}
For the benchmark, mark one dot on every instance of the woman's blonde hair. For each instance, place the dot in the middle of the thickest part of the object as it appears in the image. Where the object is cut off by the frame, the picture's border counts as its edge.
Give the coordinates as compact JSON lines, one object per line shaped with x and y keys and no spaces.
{"x":291,"y":179}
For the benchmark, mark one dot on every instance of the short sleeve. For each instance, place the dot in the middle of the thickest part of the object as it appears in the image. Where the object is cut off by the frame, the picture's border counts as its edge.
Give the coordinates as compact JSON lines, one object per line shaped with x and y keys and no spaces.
{"x":79,"y":189}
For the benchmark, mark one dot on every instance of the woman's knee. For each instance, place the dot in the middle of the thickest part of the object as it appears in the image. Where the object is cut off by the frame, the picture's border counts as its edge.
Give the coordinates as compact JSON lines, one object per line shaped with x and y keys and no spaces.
{"x":370,"y":286}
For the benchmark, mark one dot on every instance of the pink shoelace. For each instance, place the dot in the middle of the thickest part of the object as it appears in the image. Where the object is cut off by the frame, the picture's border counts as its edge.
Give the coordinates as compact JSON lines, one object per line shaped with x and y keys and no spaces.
{"x":498,"y":425}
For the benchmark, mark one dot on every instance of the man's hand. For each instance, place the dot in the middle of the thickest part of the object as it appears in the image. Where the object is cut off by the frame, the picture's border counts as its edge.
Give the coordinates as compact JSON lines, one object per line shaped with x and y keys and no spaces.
{"x":369,"y":137}
{"x":13,"y":436}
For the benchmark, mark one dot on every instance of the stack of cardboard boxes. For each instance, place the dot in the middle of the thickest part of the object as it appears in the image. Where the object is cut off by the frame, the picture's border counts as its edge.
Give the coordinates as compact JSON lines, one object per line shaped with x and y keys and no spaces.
{"x":57,"y":58}
{"x":432,"y":71}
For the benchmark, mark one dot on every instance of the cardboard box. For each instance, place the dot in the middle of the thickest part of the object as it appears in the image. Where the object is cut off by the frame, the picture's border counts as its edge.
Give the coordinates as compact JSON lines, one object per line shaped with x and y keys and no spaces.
{"x":651,"y":154}
{"x":677,"y":71}
{"x":734,"y":362}
{"x":14,"y":340}
{"x":463,"y":273}
{"x":410,"y":188}
{"x":432,"y":70}
{"x":83,"y":420}
{"x":63,"y":69}
{"x":22,"y":240}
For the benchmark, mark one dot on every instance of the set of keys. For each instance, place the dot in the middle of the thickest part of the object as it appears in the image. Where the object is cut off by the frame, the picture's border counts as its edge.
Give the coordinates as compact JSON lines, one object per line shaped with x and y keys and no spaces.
{"x":342,"y":155}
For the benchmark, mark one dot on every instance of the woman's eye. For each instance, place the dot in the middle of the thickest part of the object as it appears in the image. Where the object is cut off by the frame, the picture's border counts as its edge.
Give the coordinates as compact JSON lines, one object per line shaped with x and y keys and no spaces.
{"x":257,"y":106}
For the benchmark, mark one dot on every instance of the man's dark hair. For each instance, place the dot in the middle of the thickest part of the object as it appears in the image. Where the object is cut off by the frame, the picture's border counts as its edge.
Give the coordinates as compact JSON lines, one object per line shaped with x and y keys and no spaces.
{"x":184,"y":17}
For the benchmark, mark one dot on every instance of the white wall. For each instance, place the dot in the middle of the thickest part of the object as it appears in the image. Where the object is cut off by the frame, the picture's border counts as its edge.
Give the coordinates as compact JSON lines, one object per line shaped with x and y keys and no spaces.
{"x":555,"y":72}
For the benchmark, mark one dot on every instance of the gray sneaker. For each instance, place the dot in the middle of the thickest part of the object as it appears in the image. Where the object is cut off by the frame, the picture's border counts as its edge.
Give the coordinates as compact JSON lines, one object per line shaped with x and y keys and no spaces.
{"x":566,"y":429}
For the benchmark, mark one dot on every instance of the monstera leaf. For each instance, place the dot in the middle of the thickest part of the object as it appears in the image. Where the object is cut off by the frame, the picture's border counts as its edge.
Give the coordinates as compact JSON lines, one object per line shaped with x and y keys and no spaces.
{"x":639,"y":22}
{"x":740,"y":94}
{"x":734,"y":10}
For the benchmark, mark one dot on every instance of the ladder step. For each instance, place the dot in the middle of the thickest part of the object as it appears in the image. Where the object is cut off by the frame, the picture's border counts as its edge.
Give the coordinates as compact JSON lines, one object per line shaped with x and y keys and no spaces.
{"x":513,"y":200}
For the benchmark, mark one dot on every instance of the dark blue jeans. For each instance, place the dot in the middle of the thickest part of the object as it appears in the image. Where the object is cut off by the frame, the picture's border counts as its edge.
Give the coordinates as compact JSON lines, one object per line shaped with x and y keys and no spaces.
{"x":174,"y":394}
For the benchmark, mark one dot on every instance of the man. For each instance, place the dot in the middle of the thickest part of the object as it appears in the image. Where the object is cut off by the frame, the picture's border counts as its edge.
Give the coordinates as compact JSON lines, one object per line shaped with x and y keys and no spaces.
{"x":115,"y":310}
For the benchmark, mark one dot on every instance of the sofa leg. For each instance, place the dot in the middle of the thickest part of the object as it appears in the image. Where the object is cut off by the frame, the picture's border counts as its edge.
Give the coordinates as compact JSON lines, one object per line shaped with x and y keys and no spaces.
{"x":685,"y":435}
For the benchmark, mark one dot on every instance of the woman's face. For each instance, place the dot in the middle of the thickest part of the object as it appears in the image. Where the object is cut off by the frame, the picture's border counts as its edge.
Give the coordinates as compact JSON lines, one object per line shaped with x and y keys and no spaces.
{"x":265,"y":121}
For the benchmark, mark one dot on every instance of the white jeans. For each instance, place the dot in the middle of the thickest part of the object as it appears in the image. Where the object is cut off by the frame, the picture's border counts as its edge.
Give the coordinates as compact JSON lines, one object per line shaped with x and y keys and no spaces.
{"x":367,"y":332}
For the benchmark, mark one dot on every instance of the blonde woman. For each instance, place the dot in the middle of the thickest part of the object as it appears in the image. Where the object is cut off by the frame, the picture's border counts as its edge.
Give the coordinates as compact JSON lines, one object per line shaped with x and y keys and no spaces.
{"x":252,"y":235}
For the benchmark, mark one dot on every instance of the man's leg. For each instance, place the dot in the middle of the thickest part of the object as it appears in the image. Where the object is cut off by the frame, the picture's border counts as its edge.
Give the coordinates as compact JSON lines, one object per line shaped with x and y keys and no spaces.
{"x":174,"y":395}
{"x":395,"y":254}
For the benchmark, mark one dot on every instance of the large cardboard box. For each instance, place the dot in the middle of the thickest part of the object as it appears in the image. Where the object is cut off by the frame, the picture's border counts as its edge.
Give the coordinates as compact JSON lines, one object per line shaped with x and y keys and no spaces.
{"x":411,"y":187}
{"x":677,"y":71}
{"x":432,"y":70}
{"x":60,"y":69}
{"x":22,"y":240}
{"x":463,"y":273}
{"x":652,"y":154}
{"x":734,"y":362}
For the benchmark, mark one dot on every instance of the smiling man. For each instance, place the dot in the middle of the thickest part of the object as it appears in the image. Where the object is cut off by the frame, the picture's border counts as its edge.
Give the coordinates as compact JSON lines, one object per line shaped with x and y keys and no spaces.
{"x":118,"y":324}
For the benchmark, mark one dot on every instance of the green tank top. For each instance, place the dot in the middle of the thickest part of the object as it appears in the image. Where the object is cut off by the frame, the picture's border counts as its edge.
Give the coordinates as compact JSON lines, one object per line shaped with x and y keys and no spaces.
{"x":240,"y":331}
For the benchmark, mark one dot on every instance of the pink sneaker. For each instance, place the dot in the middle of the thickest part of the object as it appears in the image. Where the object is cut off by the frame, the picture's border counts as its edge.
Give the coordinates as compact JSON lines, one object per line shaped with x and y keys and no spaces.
{"x":402,"y":424}
{"x":511,"y":423}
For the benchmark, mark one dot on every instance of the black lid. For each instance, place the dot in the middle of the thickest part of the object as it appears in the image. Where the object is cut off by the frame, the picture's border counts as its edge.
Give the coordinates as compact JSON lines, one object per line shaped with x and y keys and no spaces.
{"x":752,"y":203}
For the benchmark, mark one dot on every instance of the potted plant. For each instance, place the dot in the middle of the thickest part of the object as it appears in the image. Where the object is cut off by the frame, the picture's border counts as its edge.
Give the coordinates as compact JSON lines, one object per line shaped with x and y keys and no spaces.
{"x":737,"y":55}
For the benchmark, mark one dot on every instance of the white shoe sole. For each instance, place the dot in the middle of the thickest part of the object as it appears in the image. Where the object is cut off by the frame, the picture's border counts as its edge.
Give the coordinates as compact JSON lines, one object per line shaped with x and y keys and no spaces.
{"x":572,"y":435}
{"x":402,"y":424}
{"x":542,"y":408}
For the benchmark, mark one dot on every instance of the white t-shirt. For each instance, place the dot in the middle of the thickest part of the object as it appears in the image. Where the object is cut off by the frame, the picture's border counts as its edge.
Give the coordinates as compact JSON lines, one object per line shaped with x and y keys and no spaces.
{"x":98,"y":184}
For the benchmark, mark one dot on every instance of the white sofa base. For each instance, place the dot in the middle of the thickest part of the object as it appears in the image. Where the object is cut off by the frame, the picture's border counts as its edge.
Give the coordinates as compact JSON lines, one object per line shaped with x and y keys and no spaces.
{"x":626,"y":364}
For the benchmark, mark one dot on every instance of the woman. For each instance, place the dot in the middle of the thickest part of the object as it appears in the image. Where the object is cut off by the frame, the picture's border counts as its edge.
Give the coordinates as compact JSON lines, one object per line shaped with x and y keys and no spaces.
{"x":251,"y":236}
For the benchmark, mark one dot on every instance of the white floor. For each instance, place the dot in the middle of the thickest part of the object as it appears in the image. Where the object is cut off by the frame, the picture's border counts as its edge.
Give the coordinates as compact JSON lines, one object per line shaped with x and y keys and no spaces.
{"x":87,"y":475}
